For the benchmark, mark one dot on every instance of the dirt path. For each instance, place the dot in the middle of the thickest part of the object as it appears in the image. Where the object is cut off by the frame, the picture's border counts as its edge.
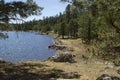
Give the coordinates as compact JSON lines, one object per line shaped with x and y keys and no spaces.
{"x":89,"y":71}
{"x":49,"y":70}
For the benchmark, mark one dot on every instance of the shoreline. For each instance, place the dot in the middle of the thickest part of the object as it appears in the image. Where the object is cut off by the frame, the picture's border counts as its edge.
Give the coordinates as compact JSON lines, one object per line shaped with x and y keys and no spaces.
{"x":56,"y":41}
{"x":52,"y":70}
{"x":50,"y":40}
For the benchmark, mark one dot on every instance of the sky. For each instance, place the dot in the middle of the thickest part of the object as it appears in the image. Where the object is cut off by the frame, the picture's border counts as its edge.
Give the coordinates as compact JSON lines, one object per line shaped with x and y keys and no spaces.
{"x":51,"y":8}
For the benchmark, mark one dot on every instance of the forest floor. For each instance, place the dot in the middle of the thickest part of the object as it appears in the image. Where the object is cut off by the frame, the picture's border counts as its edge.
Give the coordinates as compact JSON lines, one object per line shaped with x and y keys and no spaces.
{"x":89,"y":69}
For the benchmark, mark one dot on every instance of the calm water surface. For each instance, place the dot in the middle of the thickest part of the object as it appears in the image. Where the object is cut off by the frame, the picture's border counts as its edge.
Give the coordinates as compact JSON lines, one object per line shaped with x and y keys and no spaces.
{"x":25,"y":46}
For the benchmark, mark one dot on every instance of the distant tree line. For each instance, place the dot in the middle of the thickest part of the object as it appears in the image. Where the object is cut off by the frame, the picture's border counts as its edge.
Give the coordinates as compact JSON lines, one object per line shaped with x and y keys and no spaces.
{"x":85,"y":19}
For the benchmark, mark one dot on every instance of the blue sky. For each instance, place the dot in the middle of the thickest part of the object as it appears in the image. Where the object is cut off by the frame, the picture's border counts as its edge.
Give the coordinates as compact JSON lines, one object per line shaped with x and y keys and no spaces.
{"x":51,"y":8}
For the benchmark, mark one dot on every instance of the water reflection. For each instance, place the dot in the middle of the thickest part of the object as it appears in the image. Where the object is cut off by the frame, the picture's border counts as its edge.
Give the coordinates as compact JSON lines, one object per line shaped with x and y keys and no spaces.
{"x":3,"y":36}
{"x":24,"y":46}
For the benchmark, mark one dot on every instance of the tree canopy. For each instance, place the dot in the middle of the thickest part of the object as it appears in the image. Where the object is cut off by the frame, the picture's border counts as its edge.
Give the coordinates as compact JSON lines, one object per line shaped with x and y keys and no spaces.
{"x":107,"y":10}
{"x":18,"y":9}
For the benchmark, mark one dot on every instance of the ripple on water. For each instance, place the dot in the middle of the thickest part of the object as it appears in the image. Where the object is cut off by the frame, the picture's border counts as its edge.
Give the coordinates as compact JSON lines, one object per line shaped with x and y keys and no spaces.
{"x":24,"y":46}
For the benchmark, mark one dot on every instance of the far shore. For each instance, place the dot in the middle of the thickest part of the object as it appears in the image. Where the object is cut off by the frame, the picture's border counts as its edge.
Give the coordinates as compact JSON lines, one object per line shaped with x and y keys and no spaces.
{"x":82,"y":69}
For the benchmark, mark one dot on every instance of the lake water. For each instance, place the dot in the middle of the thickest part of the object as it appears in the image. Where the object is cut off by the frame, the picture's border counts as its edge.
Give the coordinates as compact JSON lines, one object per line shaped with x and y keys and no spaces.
{"x":25,"y":46}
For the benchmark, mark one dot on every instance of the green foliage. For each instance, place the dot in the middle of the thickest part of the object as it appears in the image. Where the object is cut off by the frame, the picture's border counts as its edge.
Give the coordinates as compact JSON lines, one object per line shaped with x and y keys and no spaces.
{"x":62,"y":29}
{"x":11,"y":10}
{"x":88,"y":19}
{"x":73,"y":29}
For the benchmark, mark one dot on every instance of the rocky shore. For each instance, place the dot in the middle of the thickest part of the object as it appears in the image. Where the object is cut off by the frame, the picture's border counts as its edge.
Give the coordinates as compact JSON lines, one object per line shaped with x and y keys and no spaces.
{"x":62,"y":54}
{"x":66,"y":64}
{"x":65,"y":55}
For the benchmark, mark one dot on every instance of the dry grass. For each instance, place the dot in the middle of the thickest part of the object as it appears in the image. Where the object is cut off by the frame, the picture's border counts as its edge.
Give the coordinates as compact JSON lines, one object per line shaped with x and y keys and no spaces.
{"x":89,"y":69}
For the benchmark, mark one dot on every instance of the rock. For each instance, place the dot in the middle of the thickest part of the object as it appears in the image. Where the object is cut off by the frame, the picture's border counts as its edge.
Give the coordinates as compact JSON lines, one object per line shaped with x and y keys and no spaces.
{"x":108,"y":67}
{"x":57,"y":47}
{"x":106,"y":62}
{"x":63,"y":57}
{"x":118,"y":71}
{"x":117,"y":62}
{"x":76,"y":74}
{"x":107,"y":77}
{"x":116,"y":48}
{"x":71,"y":75}
{"x":58,"y":42}
{"x":2,"y":61}
{"x":3,"y":36}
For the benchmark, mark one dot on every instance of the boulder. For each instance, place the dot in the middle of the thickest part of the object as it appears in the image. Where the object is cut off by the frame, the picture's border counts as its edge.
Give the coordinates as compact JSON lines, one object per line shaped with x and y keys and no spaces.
{"x":57,"y":47}
{"x":71,"y":75}
{"x":107,"y":77}
{"x":63,"y":57}
{"x":117,"y":62}
{"x":118,"y":71}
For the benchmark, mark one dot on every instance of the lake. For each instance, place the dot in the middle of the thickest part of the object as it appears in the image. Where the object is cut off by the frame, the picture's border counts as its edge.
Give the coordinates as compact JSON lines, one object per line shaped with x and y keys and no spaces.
{"x":25,"y":46}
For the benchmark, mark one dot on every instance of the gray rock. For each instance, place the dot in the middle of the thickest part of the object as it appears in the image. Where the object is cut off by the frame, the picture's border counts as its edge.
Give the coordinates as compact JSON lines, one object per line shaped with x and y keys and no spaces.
{"x":76,"y":74}
{"x":63,"y":57}
{"x":118,"y":71}
{"x":117,"y":62}
{"x":57,"y":47}
{"x":107,"y":77}
{"x":109,"y":67}
{"x":72,"y":75}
